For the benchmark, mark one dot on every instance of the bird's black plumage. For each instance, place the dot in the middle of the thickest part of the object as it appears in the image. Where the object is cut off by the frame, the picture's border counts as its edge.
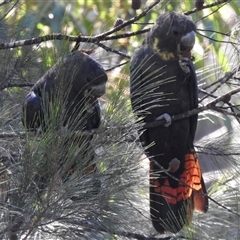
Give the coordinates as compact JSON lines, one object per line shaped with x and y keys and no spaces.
{"x":67,"y":95}
{"x":163,"y":80}
{"x":76,"y":81}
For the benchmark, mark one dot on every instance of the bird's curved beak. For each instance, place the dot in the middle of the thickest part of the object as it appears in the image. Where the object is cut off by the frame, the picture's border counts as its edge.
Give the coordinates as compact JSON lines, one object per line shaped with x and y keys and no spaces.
{"x":188,"y":41}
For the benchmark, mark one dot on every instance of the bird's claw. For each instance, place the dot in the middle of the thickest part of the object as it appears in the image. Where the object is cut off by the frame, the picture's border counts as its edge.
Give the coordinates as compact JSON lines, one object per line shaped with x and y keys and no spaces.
{"x":183,"y":63}
{"x":167,"y":118}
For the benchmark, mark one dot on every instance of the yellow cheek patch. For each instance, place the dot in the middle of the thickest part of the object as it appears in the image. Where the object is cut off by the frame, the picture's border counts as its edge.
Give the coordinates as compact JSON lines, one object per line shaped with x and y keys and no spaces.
{"x":156,"y":43}
{"x":166,"y":56}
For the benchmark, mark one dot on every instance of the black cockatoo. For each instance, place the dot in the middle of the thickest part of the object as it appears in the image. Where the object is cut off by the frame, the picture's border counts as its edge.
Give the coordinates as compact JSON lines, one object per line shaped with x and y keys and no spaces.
{"x":76,"y":78}
{"x":73,"y":85}
{"x":163,"y":83}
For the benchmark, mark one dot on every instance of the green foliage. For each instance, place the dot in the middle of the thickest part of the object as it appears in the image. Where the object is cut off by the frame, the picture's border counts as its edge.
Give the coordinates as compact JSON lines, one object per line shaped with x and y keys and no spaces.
{"x":36,"y":188}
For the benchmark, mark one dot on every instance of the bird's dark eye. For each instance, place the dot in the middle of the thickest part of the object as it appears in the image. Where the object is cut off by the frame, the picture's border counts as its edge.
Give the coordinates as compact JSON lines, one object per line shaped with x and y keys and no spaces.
{"x":175,"y":32}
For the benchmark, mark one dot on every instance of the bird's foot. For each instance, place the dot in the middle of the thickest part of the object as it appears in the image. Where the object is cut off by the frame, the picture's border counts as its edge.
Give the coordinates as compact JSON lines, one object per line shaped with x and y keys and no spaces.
{"x":167,"y":118}
{"x":183,"y":63}
{"x":174,"y":165}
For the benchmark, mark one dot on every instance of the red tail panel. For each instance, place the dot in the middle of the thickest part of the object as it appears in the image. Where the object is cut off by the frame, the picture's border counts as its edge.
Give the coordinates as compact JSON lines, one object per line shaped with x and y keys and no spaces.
{"x":175,"y":205}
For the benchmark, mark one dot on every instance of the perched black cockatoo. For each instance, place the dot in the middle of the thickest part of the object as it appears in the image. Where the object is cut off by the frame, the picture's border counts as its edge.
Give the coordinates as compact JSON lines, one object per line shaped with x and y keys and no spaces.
{"x":163,"y":83}
{"x":73,"y":85}
{"x":79,"y":81}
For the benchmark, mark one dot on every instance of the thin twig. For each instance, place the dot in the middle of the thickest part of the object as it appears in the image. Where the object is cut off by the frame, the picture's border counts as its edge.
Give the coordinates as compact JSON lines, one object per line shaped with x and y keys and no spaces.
{"x":219,"y":82}
{"x":127,"y":35}
{"x":221,"y":109}
{"x":223,"y":2}
{"x":207,"y":94}
{"x":207,"y":6}
{"x":215,"y":40}
{"x":116,"y":66}
{"x":103,"y":36}
{"x":5,"y":2}
{"x":108,"y":49}
{"x":11,"y":85}
{"x":12,"y":7}
{"x":214,"y":31}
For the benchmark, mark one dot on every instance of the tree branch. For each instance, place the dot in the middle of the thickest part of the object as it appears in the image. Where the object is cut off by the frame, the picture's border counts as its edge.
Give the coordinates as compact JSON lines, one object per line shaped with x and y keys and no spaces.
{"x":209,"y":106}
{"x":94,"y":39}
{"x":103,"y":36}
{"x":214,"y":31}
{"x":70,"y":38}
{"x":108,"y":49}
{"x":11,"y":85}
{"x":219,"y":82}
{"x":207,"y":6}
{"x":215,"y":40}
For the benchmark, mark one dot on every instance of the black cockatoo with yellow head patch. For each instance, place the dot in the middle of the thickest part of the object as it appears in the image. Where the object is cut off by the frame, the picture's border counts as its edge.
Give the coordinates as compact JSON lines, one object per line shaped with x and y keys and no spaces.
{"x":163,"y":83}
